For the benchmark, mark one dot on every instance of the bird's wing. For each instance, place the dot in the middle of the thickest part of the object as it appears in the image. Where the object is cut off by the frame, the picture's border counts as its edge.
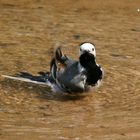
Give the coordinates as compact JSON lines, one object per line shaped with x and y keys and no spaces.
{"x":70,"y":78}
{"x":63,"y":59}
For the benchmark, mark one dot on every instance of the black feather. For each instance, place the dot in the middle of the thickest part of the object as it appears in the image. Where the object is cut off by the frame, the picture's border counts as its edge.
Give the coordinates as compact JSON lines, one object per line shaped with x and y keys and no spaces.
{"x":93,"y":71}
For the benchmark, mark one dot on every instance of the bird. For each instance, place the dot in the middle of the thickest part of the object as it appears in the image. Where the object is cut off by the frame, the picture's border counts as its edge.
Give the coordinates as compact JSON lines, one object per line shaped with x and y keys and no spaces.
{"x":81,"y":75}
{"x":67,"y":75}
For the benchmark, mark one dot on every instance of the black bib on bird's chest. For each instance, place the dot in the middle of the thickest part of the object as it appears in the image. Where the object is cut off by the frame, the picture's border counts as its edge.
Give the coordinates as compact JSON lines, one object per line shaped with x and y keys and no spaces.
{"x":93,"y":71}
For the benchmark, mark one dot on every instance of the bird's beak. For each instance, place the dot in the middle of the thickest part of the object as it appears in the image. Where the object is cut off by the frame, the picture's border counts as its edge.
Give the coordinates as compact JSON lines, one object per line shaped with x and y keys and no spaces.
{"x":85,"y":51}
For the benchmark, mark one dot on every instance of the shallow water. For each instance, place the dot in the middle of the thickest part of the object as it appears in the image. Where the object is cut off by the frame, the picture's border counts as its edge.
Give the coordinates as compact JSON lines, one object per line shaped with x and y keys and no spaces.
{"x":29,"y":33}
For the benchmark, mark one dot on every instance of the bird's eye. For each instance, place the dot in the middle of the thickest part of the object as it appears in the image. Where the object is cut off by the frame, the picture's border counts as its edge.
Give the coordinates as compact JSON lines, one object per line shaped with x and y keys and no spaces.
{"x":92,"y":49}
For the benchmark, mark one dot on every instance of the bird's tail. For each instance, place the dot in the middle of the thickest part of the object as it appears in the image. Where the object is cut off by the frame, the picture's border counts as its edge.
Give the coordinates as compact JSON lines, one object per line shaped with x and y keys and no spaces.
{"x":43,"y":78}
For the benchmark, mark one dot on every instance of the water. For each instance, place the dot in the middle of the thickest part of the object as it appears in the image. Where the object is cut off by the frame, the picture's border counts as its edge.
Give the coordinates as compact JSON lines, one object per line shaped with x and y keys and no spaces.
{"x":28,"y":35}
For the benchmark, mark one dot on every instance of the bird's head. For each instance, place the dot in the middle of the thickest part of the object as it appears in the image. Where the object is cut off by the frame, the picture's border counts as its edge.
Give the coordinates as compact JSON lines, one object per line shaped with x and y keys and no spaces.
{"x":87,"y":48}
{"x":87,"y":55}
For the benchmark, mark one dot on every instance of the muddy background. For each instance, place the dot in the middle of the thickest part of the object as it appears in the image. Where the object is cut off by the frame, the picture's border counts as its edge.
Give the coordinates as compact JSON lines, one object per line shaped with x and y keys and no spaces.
{"x":30,"y":30}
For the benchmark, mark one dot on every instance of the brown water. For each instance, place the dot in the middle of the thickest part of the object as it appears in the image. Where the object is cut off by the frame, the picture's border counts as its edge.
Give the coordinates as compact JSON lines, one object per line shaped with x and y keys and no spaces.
{"x":29,"y":32}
